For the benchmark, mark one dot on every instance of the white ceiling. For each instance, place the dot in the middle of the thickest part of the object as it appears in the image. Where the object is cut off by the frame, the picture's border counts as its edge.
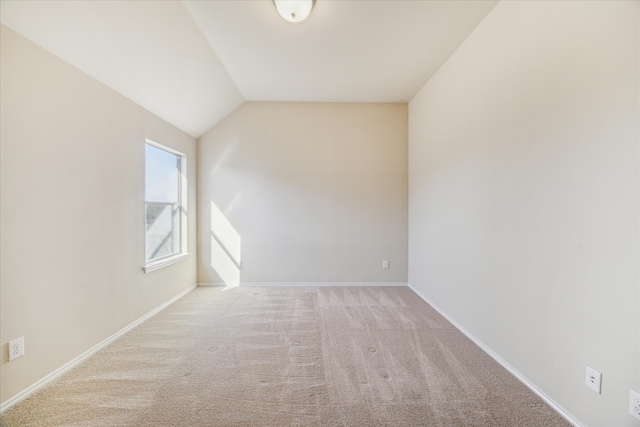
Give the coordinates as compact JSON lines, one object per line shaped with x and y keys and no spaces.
{"x":151,"y":52}
{"x":347,"y":51}
{"x":194,"y":62}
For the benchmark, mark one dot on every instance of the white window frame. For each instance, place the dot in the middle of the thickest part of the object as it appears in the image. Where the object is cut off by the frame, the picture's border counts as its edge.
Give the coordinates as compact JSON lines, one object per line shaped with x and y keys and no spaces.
{"x":182,"y":208}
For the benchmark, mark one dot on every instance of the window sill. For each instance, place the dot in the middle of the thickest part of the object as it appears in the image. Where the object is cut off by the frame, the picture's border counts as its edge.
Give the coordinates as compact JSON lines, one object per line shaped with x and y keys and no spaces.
{"x":164,"y":262}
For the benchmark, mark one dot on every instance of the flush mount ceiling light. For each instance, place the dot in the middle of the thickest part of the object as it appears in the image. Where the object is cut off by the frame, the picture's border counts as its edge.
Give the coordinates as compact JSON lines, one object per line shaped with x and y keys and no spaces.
{"x":294,"y":10}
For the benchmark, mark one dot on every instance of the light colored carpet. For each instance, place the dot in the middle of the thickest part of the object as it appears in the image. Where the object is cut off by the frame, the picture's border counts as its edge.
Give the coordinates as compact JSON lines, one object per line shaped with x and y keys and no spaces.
{"x":359,"y":356}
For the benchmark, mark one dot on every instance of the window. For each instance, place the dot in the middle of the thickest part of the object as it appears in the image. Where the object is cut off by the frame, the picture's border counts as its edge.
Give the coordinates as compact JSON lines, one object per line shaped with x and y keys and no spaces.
{"x":165,"y":206}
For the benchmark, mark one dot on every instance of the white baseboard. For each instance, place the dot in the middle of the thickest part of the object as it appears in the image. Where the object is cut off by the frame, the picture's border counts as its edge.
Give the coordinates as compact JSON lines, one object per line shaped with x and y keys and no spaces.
{"x":317,"y":284}
{"x":495,"y":356}
{"x":73,"y":363}
{"x":303,"y":284}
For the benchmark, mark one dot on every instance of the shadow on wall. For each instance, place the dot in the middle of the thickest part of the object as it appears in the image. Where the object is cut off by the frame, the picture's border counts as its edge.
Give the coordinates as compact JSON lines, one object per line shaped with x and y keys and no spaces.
{"x":225,"y":249}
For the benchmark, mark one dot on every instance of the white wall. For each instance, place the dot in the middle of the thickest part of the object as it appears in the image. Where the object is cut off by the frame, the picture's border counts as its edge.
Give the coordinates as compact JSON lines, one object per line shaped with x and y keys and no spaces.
{"x":304,"y":193}
{"x":524,"y":191}
{"x":72,"y":213}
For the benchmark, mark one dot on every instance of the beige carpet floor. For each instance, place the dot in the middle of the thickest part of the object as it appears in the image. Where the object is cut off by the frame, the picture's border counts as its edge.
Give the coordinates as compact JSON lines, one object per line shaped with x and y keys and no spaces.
{"x":358,"y":356}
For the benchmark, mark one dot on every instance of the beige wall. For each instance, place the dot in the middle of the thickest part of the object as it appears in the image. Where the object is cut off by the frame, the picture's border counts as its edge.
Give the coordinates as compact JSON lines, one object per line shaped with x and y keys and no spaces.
{"x":72,"y":213}
{"x":304,"y":193}
{"x":524,"y":192}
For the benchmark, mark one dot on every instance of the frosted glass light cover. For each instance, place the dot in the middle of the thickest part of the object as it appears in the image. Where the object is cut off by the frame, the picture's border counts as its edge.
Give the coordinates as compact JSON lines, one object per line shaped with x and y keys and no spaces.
{"x":294,"y":10}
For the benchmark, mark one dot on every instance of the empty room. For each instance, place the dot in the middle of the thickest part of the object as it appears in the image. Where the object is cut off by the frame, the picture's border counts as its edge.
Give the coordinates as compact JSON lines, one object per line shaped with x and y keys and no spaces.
{"x":320,"y":213}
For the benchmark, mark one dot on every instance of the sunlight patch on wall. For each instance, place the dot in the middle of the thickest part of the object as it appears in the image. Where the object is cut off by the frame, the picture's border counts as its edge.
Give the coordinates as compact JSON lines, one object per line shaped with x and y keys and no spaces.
{"x":226,"y":248}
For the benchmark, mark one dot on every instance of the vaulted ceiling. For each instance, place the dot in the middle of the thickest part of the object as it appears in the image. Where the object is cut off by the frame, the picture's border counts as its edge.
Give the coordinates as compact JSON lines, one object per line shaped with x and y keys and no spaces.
{"x":194,"y":62}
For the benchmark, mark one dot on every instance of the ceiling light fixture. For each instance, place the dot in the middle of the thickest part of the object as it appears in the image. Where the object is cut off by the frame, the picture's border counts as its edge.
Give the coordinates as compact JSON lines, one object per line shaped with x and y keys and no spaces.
{"x":294,"y":10}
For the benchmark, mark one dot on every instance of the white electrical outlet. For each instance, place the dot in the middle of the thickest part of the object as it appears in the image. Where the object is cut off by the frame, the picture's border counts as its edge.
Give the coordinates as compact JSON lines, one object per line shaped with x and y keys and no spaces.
{"x":593,"y":379}
{"x":385,"y":264}
{"x":634,"y":404}
{"x":16,"y":348}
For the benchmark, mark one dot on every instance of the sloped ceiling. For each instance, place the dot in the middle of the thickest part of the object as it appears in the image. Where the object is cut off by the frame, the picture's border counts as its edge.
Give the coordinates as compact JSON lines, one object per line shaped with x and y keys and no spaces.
{"x":194,"y":62}
{"x":348,"y":51}
{"x":151,"y":52}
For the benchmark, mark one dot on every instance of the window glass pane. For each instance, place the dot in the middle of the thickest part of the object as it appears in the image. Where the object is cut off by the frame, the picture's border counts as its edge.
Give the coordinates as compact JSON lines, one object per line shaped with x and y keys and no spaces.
{"x":162,"y":175}
{"x":163,"y":229}
{"x":162,"y":203}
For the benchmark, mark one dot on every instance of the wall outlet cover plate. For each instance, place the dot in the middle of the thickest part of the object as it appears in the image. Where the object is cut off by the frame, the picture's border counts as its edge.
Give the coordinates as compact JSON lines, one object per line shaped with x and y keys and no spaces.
{"x":593,"y":379}
{"x":16,"y":348}
{"x":634,"y":404}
